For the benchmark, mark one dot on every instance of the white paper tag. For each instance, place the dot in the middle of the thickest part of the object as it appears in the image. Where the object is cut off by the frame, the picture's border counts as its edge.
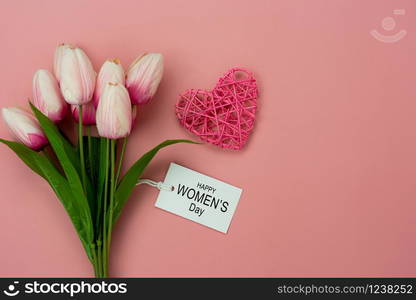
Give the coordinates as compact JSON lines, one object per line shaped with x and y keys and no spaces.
{"x":199,"y":198}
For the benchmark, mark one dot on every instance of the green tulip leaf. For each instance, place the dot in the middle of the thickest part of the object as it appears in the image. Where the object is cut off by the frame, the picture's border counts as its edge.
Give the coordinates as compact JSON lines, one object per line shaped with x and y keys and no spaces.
{"x":43,"y":166}
{"x":62,"y":189}
{"x":129,"y":180}
{"x":94,"y":149}
{"x":25,"y":154}
{"x":67,"y":157}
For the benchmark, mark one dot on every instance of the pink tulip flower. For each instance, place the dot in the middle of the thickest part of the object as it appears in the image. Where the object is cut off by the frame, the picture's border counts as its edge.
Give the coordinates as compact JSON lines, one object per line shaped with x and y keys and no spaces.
{"x":114,"y":118}
{"x":76,"y":75}
{"x":59,"y":51}
{"x":133,"y":116}
{"x":24,"y":127}
{"x":143,"y":77}
{"x":47,"y":96}
{"x":111,"y":71}
{"x":88,"y":113}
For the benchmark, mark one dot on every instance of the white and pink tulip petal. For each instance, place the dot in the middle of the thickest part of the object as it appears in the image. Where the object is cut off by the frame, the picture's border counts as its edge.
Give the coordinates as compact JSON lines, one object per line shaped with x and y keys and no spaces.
{"x":77,"y":76}
{"x":24,"y":127}
{"x":47,"y":96}
{"x":143,"y":77}
{"x":111,"y":71}
{"x":114,"y":114}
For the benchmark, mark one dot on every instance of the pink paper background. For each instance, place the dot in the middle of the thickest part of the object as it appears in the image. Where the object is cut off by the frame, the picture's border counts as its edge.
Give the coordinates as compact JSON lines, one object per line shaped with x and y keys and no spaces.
{"x":328,"y":175}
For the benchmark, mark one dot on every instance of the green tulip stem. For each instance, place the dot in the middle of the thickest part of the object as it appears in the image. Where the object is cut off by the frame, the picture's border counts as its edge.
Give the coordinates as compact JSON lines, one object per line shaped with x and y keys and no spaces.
{"x":120,"y":162}
{"x":99,"y":260}
{"x":112,"y":189}
{"x":104,"y":246}
{"x":81,"y":146}
{"x":90,"y":153}
{"x":94,"y":259}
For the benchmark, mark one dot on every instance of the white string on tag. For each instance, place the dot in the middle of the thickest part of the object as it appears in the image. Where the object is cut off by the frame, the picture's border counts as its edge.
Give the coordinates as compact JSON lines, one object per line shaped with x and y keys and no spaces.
{"x":159,"y":185}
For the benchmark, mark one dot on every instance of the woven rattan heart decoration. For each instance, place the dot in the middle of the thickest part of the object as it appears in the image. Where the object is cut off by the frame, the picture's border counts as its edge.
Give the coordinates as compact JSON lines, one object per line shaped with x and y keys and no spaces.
{"x":224,"y":116}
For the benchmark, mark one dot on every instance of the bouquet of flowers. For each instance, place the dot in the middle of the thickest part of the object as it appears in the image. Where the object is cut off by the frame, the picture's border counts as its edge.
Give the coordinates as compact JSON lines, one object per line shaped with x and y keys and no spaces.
{"x":85,"y":175}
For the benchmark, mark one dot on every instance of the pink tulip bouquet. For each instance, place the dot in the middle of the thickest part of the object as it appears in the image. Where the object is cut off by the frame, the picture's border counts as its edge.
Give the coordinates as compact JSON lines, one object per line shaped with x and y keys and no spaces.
{"x":86,"y":175}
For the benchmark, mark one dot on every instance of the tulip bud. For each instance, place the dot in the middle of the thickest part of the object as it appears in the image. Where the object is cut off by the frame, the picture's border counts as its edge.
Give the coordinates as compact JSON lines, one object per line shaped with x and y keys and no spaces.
{"x":144,"y":76}
{"x":58,"y":60}
{"x":114,"y":112}
{"x":133,"y":116}
{"x":47,"y":97}
{"x":111,"y":71}
{"x":88,"y":113}
{"x":77,"y":76}
{"x":24,"y":127}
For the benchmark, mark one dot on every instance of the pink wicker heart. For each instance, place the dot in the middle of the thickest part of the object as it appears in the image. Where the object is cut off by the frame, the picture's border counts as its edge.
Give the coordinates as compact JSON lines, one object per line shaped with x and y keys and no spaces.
{"x":224,"y":116}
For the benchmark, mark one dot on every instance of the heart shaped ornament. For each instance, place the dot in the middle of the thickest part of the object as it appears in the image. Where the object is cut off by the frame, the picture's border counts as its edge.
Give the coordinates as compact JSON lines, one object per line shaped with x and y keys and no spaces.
{"x":224,"y":116}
